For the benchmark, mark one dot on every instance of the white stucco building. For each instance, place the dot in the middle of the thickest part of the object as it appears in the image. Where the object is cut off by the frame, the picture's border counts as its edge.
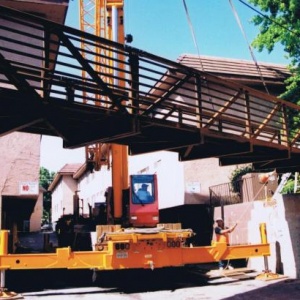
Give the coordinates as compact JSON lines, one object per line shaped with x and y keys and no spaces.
{"x":63,"y":189}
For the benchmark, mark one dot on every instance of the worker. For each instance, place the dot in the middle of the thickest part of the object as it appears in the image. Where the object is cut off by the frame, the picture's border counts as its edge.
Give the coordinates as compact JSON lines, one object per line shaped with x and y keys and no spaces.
{"x":143,"y":193}
{"x":222,"y":235}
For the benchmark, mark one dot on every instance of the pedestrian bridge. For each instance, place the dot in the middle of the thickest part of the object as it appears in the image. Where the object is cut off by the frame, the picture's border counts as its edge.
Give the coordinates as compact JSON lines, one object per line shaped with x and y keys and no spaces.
{"x":59,"y":81}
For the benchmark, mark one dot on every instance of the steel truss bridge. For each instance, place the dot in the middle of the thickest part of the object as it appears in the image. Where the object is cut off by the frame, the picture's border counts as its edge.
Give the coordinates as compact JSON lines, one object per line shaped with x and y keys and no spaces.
{"x":113,"y":93}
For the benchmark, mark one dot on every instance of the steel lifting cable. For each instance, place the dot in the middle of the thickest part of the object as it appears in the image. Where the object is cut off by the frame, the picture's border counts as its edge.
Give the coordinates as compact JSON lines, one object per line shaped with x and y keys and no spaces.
{"x":249,"y":46}
{"x":193,"y":32}
{"x":196,"y":46}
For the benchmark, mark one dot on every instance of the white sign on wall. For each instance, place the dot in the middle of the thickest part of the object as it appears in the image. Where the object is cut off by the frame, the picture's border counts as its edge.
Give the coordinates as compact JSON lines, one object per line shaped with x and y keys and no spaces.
{"x":28,"y":188}
{"x":193,"y":187}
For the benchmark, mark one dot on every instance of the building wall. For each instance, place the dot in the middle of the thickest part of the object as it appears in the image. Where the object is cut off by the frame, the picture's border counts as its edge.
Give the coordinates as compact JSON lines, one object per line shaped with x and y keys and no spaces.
{"x":181,"y":183}
{"x":92,"y":187}
{"x":36,"y":217}
{"x":57,"y":202}
{"x":282,"y":222}
{"x":62,"y":197}
{"x":69,"y":188}
{"x":203,"y":174}
{"x":286,"y":237}
{"x":20,"y":162}
{"x":169,"y":175}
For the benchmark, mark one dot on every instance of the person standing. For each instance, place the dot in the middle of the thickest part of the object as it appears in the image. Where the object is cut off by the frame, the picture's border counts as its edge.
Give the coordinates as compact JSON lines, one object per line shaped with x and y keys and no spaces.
{"x":222,"y":235}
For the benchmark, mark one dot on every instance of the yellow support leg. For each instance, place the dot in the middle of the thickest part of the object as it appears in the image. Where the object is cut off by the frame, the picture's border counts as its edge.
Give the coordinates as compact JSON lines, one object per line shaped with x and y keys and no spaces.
{"x":4,"y":293}
{"x":266,"y":274}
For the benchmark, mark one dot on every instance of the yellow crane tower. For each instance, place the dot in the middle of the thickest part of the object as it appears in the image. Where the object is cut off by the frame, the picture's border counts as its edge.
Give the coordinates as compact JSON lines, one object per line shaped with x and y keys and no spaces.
{"x":104,"y":18}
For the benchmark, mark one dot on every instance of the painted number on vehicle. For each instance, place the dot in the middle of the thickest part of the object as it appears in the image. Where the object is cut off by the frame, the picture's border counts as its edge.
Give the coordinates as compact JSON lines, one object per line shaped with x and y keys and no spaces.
{"x":122,"y":254}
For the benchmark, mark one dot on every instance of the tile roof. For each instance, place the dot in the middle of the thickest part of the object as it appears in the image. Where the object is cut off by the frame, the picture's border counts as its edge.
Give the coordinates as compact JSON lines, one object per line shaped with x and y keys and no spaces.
{"x":70,"y":168}
{"x":236,"y":68}
{"x":67,"y":169}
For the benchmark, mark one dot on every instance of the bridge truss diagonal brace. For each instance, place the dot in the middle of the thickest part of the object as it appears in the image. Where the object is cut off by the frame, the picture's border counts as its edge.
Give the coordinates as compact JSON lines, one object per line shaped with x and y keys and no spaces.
{"x":268,"y":119}
{"x":24,"y":92}
{"x":18,"y":80}
{"x":115,"y":99}
{"x":222,"y":110}
{"x":295,"y":138}
{"x":167,"y":95}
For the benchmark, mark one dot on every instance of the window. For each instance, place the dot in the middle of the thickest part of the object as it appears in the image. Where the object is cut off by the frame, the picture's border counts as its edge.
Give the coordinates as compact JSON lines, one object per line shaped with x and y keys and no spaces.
{"x":143,"y":193}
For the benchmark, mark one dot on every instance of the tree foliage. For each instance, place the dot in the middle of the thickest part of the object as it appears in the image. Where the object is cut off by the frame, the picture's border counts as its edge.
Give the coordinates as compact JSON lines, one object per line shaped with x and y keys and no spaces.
{"x":280,"y":23}
{"x":289,"y":187}
{"x":46,"y":178}
{"x":236,"y":177}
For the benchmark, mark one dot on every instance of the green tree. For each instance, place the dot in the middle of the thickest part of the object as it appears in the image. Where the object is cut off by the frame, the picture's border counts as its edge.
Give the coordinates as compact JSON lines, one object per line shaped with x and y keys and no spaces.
{"x":289,"y":187}
{"x":236,"y":177}
{"x":46,"y":178}
{"x":279,"y":22}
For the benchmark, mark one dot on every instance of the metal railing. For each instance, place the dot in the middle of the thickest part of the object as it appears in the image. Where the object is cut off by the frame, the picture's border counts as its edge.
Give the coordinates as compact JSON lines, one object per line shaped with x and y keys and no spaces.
{"x":224,"y":194}
{"x":247,"y":189}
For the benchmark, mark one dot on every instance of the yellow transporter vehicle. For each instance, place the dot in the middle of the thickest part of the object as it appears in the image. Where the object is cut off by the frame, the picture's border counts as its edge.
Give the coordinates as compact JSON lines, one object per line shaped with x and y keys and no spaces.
{"x":143,"y":243}
{"x":132,"y":249}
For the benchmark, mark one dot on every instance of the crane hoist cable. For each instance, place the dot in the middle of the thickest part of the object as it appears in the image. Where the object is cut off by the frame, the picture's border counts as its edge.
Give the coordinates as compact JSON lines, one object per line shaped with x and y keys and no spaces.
{"x":196,"y":45}
{"x":193,"y":32}
{"x":249,"y":46}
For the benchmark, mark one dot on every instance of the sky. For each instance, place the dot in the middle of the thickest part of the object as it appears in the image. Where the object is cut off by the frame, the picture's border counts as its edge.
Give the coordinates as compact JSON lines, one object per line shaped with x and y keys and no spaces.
{"x":163,"y":28}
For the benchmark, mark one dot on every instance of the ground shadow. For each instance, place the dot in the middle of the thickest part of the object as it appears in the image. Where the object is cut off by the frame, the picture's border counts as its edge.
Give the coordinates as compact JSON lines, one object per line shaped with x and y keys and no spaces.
{"x":125,"y":281}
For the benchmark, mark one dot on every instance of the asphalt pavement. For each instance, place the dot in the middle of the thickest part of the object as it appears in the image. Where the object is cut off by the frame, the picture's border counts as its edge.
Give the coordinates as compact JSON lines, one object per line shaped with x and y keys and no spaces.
{"x":175,"y":284}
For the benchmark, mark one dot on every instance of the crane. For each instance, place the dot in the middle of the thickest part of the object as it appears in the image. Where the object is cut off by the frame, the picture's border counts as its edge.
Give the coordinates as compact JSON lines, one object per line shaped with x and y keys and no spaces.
{"x":104,"y":18}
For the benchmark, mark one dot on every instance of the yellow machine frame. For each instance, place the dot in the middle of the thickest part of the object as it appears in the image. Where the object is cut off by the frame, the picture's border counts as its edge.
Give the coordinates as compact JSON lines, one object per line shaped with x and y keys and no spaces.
{"x":132,"y":250}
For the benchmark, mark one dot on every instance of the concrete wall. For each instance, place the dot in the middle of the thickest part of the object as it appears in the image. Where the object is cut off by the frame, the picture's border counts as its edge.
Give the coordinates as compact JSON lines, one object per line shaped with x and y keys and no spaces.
{"x":290,"y":243}
{"x":281,"y":216}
